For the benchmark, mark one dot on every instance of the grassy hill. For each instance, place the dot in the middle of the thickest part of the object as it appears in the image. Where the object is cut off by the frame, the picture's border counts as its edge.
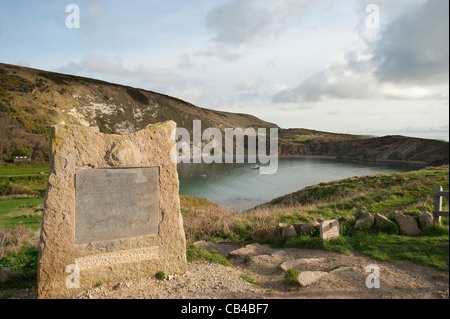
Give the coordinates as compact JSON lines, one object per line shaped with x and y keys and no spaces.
{"x":32,"y":100}
{"x":410,"y":193}
{"x":364,"y":148}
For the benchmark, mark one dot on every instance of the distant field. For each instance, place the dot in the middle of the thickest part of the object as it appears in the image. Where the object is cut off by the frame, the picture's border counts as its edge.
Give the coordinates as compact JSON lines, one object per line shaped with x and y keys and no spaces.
{"x":21,"y":211}
{"x":18,"y":180}
{"x":303,"y":135}
{"x":18,"y":170}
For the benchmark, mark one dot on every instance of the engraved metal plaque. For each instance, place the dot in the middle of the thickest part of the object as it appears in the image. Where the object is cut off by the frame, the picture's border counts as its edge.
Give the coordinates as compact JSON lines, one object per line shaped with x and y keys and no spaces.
{"x":116,"y":203}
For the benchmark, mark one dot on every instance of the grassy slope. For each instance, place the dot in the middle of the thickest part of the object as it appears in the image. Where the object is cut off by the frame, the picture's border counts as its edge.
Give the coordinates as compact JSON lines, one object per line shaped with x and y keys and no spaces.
{"x":203,"y":220}
{"x":411,"y":193}
{"x":32,"y":100}
{"x":294,"y":142}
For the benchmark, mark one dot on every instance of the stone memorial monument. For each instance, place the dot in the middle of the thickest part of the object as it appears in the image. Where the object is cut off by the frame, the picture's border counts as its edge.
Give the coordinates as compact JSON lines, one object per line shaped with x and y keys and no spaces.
{"x":329,"y":229}
{"x":112,"y":210}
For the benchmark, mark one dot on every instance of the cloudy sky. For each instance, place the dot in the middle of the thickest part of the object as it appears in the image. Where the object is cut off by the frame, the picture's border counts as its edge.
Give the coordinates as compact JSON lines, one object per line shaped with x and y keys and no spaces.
{"x":331,"y":65}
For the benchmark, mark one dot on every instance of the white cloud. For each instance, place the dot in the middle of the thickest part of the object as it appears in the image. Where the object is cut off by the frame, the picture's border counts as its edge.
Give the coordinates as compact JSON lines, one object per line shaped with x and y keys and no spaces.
{"x":249,"y":85}
{"x":415,"y":47}
{"x":409,"y":60}
{"x":163,"y":79}
{"x":238,"y":24}
{"x":185,"y":61}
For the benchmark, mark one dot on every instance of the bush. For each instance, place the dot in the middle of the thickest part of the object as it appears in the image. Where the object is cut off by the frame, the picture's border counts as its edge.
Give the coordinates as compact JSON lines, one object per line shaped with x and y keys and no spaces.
{"x":291,"y":279}
{"x":24,"y":267}
{"x":195,"y":253}
{"x":160,"y":275}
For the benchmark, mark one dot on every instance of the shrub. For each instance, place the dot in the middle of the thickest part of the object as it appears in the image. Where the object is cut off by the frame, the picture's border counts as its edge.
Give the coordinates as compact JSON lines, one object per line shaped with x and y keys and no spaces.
{"x":160,"y":275}
{"x":291,"y":279}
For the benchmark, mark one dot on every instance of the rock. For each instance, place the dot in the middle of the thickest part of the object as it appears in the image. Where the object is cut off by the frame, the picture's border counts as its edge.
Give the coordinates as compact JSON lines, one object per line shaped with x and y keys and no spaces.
{"x":341,"y":269}
{"x":199,"y":244}
{"x":280,"y":253}
{"x":298,"y":228}
{"x":253,"y":250}
{"x":392,"y":215}
{"x":408,"y":225}
{"x":308,"y":228}
{"x":365,"y":220}
{"x":306,"y":278}
{"x":121,"y":244}
{"x":343,"y":219}
{"x":298,"y":263}
{"x":426,"y":219}
{"x":6,"y":275}
{"x":382,"y":221}
{"x":279,"y":228}
{"x":361,"y":211}
{"x":285,"y":230}
{"x":289,"y":231}
{"x":330,"y":229}
{"x":259,"y":235}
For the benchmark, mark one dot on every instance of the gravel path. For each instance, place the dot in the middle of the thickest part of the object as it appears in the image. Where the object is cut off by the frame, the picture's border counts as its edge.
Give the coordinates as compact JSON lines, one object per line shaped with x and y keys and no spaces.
{"x":212,"y":281}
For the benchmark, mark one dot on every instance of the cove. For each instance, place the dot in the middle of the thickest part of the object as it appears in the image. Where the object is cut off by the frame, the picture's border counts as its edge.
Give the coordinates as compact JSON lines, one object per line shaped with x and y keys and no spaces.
{"x":239,"y":187}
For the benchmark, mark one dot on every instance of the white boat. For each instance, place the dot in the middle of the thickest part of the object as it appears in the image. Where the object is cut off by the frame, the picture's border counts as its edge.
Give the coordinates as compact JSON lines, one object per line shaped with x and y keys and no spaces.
{"x":254,"y":166}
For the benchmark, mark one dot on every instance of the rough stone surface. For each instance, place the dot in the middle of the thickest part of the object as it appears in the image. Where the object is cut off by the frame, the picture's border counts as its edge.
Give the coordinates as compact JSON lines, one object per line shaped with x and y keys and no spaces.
{"x":306,"y":278}
{"x":341,"y":269}
{"x":360,"y":213}
{"x":426,"y":219}
{"x":308,"y":228}
{"x":6,"y":275}
{"x":299,"y":263}
{"x":365,"y":220}
{"x":279,"y":228}
{"x":343,"y":219}
{"x":298,"y":228}
{"x":408,"y":225}
{"x":74,"y":149}
{"x":253,"y":250}
{"x":382,"y":221}
{"x":289,"y":231}
{"x":330,"y":229}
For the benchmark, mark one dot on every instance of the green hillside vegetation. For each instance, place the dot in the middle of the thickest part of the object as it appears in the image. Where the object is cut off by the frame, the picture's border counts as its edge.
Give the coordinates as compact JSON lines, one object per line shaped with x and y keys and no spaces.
{"x":33,"y":100}
{"x":410,"y":193}
{"x":303,"y":135}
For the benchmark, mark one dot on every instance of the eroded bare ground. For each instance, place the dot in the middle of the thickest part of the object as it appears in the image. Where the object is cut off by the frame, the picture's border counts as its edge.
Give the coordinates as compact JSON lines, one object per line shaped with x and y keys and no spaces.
{"x":211,"y":281}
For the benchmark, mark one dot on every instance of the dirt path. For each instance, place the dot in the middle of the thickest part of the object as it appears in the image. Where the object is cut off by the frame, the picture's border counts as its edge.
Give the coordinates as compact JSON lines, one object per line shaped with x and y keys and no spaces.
{"x":211,"y":281}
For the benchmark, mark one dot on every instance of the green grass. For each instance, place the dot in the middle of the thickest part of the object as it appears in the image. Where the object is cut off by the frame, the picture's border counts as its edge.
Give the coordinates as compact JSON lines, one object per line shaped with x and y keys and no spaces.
{"x":301,"y":138}
{"x":291,"y":279}
{"x":13,"y":170}
{"x":411,"y":193}
{"x":430,"y":249}
{"x":250,"y":280}
{"x":24,"y":267}
{"x":198,"y":253}
{"x":160,"y":275}
{"x":23,"y":180}
{"x":21,"y":211}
